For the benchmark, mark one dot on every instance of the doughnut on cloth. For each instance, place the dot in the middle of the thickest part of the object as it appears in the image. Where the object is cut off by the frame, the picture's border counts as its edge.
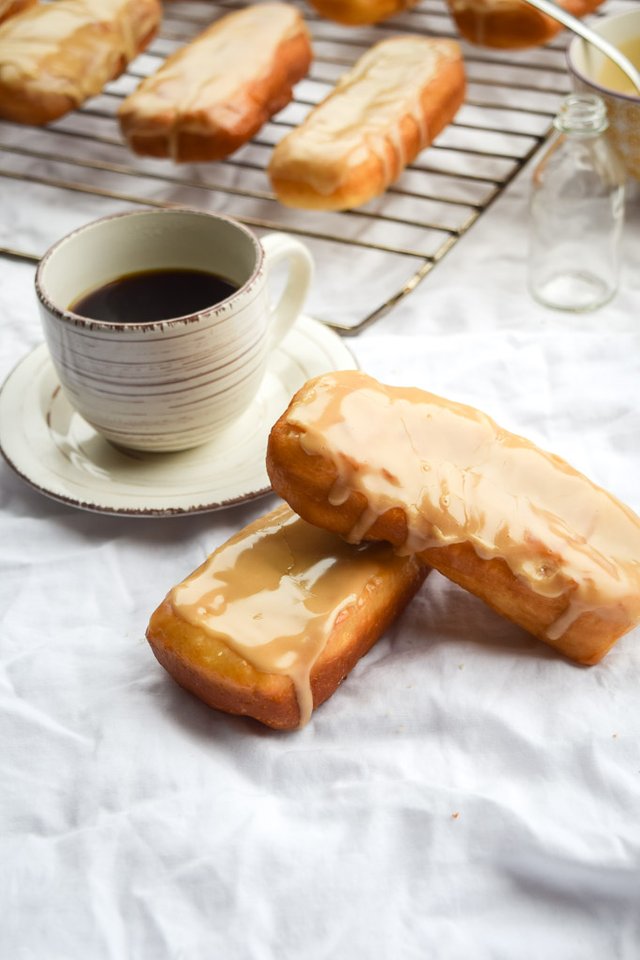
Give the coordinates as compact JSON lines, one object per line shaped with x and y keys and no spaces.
{"x":515,"y":525}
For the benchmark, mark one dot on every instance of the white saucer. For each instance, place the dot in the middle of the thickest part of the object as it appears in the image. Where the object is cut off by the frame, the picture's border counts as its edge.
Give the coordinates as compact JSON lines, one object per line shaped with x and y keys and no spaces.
{"x":50,"y":446}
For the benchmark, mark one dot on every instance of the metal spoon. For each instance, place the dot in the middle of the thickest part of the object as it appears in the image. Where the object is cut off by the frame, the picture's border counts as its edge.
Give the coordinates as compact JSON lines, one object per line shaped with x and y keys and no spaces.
{"x":577,"y":26}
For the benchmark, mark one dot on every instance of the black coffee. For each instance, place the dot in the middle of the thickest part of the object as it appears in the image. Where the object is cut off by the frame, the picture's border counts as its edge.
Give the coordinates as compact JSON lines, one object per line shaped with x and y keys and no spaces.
{"x":153,"y":295}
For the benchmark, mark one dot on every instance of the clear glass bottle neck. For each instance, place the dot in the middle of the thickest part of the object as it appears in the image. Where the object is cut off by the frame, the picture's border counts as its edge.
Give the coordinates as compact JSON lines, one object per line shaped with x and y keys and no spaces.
{"x":582,"y":115}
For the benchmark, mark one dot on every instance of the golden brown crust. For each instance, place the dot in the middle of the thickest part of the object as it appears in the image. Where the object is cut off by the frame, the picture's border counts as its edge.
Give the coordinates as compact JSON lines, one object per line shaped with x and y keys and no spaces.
{"x":55,"y":56}
{"x":305,"y":174}
{"x":162,"y":119}
{"x":208,"y":667}
{"x":305,"y":481}
{"x":241,"y":690}
{"x":586,"y":641}
{"x":9,"y":8}
{"x":354,"y":13}
{"x":511,"y":24}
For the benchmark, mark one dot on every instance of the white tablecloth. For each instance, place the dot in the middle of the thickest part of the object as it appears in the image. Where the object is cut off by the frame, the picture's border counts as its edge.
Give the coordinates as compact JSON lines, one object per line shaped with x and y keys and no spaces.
{"x":467,"y":793}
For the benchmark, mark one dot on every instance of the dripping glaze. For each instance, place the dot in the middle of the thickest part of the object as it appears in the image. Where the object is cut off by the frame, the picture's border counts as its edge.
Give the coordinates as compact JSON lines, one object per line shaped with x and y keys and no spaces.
{"x":459,"y":477}
{"x":364,"y":112}
{"x":275,"y":591}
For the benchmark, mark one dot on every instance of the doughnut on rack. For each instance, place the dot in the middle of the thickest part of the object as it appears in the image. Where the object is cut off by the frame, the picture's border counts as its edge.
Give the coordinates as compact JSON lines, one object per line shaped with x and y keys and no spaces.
{"x":80,"y":165}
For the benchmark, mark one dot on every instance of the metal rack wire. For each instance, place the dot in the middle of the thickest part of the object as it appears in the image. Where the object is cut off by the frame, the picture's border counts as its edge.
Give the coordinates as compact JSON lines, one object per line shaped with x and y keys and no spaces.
{"x":80,"y":166}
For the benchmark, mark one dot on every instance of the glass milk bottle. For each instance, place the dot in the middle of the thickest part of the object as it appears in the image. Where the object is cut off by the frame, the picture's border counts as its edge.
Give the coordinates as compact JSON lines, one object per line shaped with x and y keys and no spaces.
{"x":577,"y":209}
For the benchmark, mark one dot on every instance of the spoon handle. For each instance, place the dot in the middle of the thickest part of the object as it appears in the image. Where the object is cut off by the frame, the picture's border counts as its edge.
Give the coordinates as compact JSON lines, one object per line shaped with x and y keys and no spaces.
{"x":577,"y":26}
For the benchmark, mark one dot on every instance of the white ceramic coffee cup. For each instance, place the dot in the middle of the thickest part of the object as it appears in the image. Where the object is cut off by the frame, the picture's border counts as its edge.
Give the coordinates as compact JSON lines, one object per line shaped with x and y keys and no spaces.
{"x":172,"y":384}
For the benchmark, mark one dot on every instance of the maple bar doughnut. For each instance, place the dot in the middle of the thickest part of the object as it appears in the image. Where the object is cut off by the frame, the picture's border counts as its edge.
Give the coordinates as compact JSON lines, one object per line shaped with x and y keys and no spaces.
{"x":273,"y":621}
{"x":54,"y":56}
{"x":511,"y":523}
{"x":511,"y":24}
{"x":214,"y":94}
{"x":399,"y":95}
{"x":354,"y":13}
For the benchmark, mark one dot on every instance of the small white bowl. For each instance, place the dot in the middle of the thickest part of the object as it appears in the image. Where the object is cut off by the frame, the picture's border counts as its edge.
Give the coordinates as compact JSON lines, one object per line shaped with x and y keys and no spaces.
{"x":586,"y":65}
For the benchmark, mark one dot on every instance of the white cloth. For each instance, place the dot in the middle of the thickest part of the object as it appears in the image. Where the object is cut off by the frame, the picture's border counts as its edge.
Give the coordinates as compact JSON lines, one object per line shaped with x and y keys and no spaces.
{"x":466,"y":793}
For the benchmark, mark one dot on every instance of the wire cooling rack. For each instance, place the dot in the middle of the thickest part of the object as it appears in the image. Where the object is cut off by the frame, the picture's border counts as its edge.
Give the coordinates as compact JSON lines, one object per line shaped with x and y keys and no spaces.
{"x":79,"y":168}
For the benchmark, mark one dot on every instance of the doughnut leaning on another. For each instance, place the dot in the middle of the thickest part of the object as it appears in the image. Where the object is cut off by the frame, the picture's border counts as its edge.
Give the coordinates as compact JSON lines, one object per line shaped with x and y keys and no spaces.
{"x":517,"y":526}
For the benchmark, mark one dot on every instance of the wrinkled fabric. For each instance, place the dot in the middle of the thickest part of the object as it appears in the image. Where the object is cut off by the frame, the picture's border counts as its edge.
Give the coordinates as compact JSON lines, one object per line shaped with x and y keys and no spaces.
{"x":466,"y":793}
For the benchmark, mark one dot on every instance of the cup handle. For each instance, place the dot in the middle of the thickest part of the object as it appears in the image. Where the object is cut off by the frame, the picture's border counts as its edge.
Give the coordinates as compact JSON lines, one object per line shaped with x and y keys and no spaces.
{"x":280,"y":247}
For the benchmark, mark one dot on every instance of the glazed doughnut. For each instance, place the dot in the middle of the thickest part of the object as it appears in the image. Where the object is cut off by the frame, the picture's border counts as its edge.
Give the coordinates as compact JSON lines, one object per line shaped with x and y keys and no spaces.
{"x":511,"y":24}
{"x":357,"y":12}
{"x":516,"y":526}
{"x":274,"y":620}
{"x":214,"y":94}
{"x":399,"y":95}
{"x":9,"y":8}
{"x":54,"y":56}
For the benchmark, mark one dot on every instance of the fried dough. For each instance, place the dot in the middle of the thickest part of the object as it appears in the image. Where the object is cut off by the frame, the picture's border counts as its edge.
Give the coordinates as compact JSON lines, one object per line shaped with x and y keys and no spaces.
{"x":9,"y":8}
{"x":355,"y":13}
{"x":516,"y":526}
{"x":273,"y":621}
{"x":397,"y":98}
{"x":54,"y":56}
{"x":511,"y":24}
{"x":215,"y":93}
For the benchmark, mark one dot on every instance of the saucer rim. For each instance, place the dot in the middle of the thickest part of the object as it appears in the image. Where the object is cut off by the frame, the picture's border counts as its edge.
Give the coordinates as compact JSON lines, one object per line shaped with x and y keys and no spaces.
{"x":136,"y":512}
